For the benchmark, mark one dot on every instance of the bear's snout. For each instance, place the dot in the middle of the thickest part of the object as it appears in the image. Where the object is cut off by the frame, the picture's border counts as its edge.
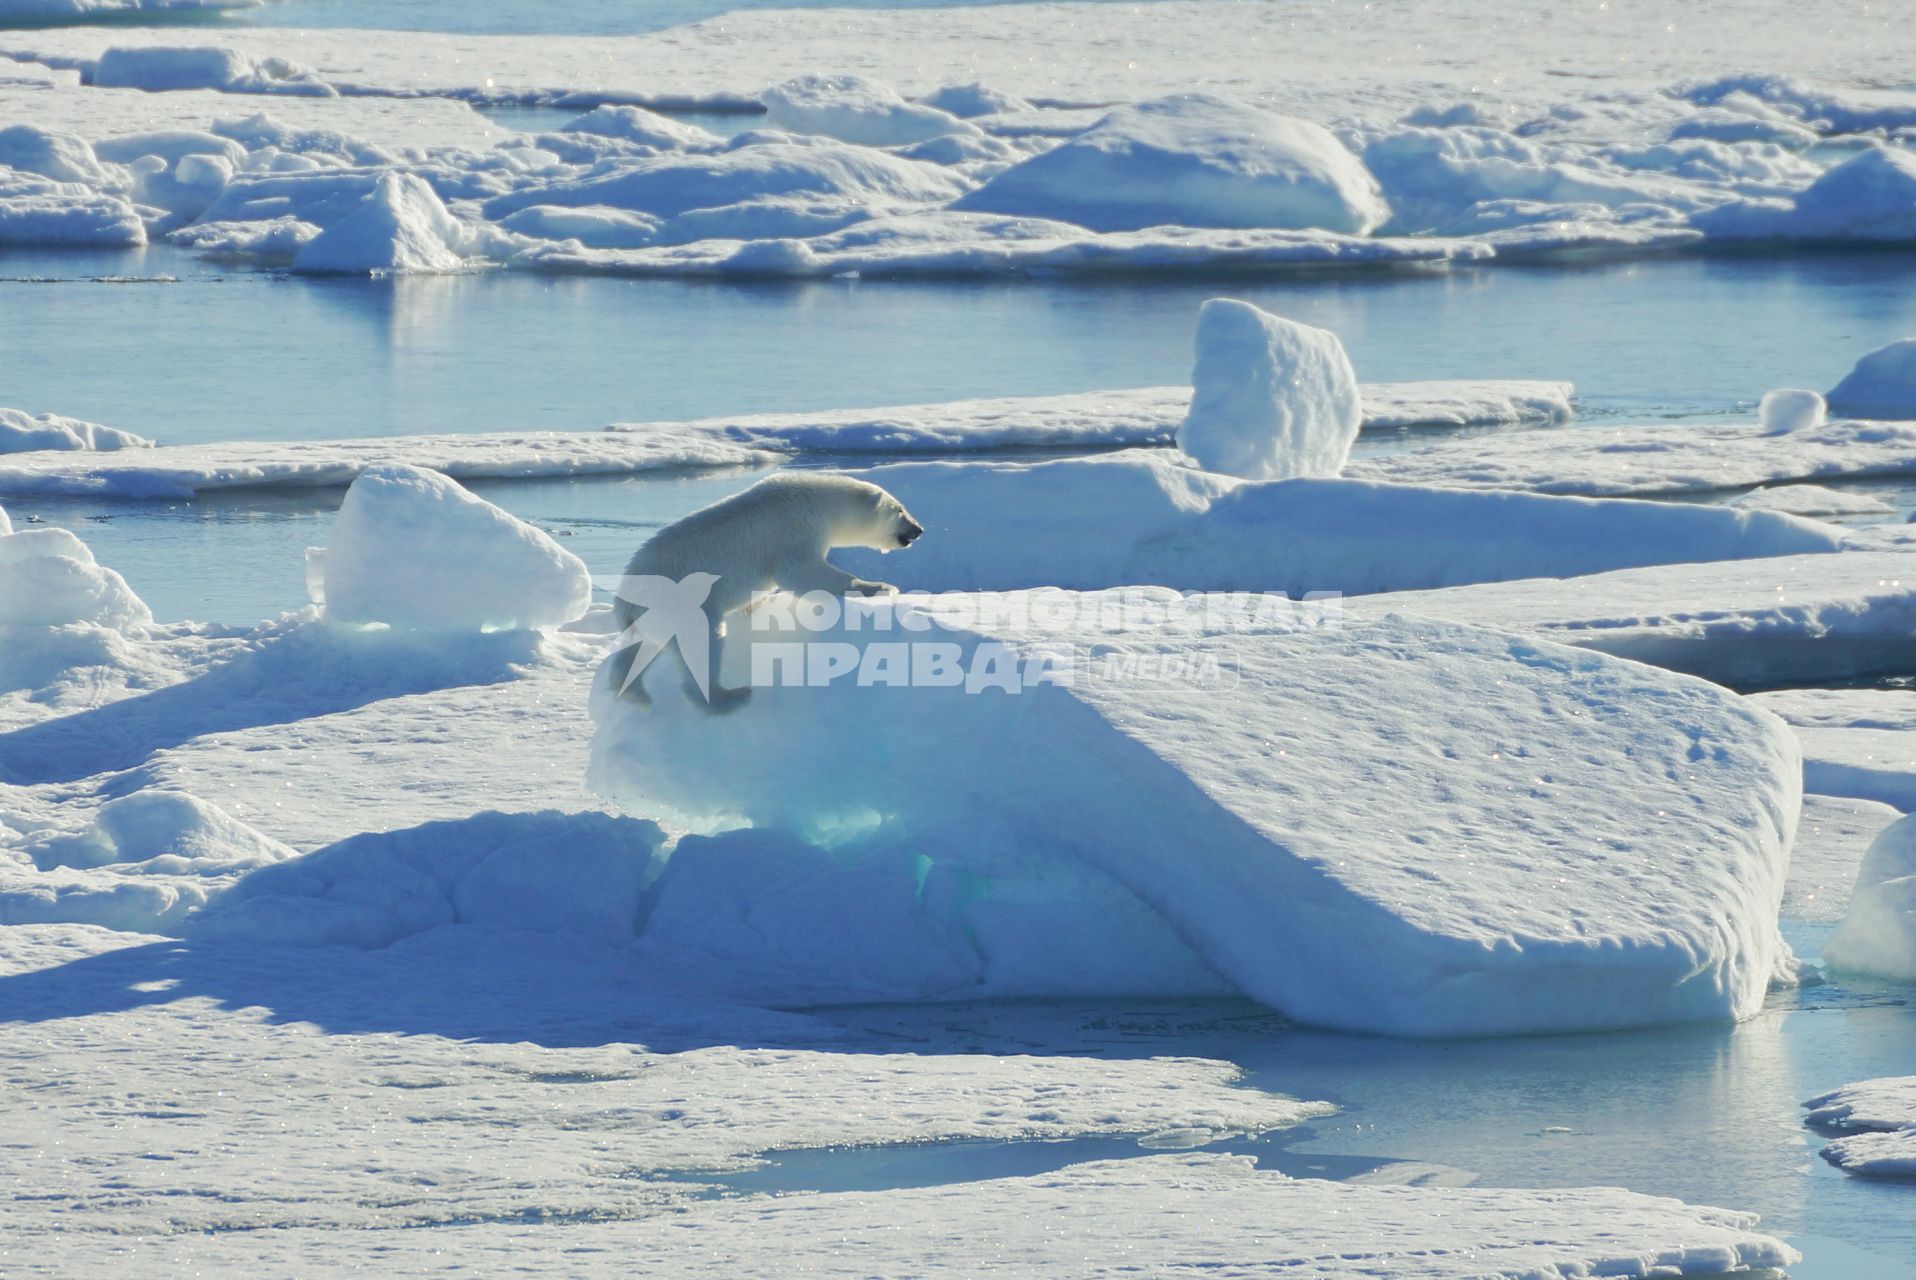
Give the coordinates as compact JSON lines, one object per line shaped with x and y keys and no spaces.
{"x":910,"y":533}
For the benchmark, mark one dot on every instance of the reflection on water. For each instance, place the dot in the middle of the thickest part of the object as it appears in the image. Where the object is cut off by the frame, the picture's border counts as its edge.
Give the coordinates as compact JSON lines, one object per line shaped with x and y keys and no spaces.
{"x":246,"y":355}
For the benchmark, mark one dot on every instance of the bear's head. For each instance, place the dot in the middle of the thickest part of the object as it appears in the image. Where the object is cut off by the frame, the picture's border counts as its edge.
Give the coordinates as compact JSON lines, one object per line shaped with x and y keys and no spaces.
{"x":883,"y":523}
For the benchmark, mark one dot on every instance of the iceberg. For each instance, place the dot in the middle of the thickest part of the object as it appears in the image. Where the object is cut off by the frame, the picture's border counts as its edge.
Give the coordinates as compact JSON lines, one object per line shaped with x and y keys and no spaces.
{"x":1879,"y":1119}
{"x":1271,"y":399}
{"x":1497,"y":878}
{"x":411,"y":549}
{"x":1195,"y":160}
{"x":1137,"y":516}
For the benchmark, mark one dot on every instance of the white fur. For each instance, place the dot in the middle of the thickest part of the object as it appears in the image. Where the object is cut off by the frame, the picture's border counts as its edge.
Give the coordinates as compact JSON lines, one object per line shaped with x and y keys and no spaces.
{"x":772,"y":537}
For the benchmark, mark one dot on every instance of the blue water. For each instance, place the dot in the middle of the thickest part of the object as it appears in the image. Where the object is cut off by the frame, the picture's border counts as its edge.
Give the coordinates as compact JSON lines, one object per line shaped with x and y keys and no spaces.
{"x":218,"y":354}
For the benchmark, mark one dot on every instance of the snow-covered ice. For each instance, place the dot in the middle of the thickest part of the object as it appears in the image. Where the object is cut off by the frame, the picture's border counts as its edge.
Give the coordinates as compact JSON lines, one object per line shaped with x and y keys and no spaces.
{"x":183,"y":470}
{"x":854,"y":109}
{"x":1653,"y":461}
{"x":1138,"y":516}
{"x":23,"y":433}
{"x":1831,"y":838}
{"x":1271,"y":399}
{"x":1812,"y":500}
{"x":1882,"y":385}
{"x":412,"y":549}
{"x":400,"y":227}
{"x":1748,"y":624}
{"x":1855,"y":742}
{"x":1880,"y":1118}
{"x":1283,"y":833}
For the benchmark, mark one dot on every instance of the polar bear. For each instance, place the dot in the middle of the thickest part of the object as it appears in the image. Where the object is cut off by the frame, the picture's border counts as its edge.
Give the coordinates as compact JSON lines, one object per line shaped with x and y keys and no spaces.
{"x":689,"y":576}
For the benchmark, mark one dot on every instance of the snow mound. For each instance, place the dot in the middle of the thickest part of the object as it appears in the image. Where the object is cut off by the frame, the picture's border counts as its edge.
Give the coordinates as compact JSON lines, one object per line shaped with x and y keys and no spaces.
{"x":185,"y":831}
{"x":160,"y":69}
{"x":412,"y":549}
{"x":1881,"y":1116}
{"x":1194,"y":160}
{"x":549,"y":872}
{"x":1137,"y":517}
{"x":1882,"y":385}
{"x":1869,"y":197}
{"x":854,"y":109}
{"x":1495,"y":878}
{"x":1790,"y":409}
{"x":1812,"y":500}
{"x":969,"y":101}
{"x":647,"y":128}
{"x":1879,"y":934}
{"x":1270,"y":398}
{"x":62,"y":157}
{"x":400,"y":227}
{"x":24,"y":433}
{"x":48,"y":578}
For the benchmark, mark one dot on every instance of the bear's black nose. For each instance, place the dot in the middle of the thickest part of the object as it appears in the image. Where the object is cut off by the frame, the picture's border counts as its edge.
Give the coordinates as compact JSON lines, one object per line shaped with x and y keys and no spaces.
{"x":910,"y":535}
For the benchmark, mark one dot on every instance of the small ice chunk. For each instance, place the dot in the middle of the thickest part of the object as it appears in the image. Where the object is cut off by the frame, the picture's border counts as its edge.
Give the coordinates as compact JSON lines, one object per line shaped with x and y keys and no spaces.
{"x":1270,"y":398}
{"x":1790,"y":409}
{"x":854,"y":109}
{"x":1879,"y":934}
{"x":48,"y":578}
{"x":412,"y":549}
{"x":24,"y":433}
{"x":1196,"y":161}
{"x":1882,"y":385}
{"x":402,"y":226}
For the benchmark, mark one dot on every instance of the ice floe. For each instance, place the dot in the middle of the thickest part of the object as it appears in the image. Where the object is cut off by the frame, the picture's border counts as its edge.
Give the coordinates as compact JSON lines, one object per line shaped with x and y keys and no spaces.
{"x":1855,"y":741}
{"x":1831,"y":838}
{"x":1271,"y":399}
{"x":183,"y":470}
{"x":1082,"y":421}
{"x":412,"y":549}
{"x":1882,"y":385}
{"x":1138,"y":516}
{"x":1879,"y":1119}
{"x":1317,"y":867}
